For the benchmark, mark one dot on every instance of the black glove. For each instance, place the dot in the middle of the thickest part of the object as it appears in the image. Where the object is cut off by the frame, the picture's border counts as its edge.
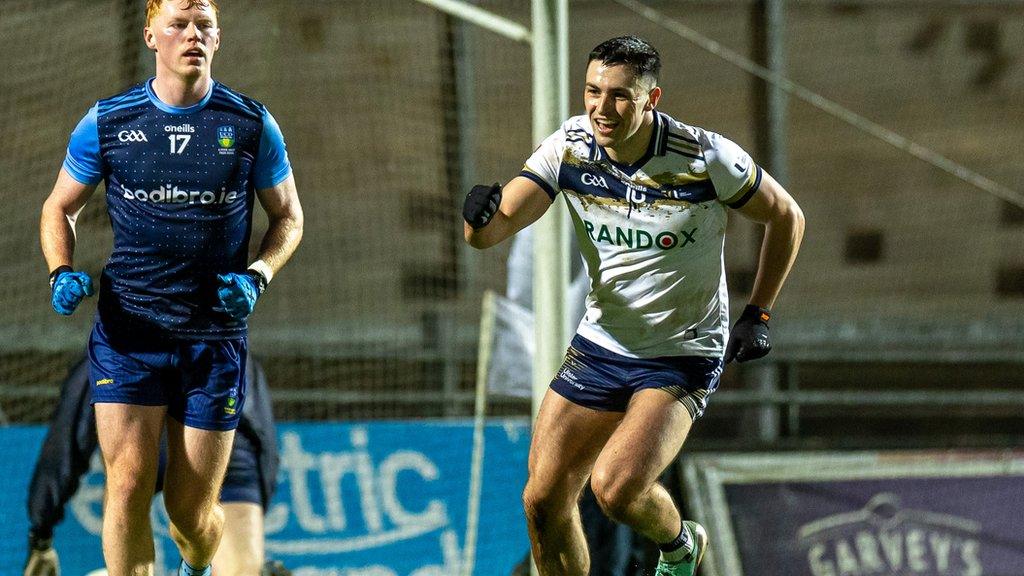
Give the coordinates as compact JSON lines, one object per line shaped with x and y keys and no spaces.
{"x":42,"y":558}
{"x":749,"y":338}
{"x":481,"y":204}
{"x":274,"y":568}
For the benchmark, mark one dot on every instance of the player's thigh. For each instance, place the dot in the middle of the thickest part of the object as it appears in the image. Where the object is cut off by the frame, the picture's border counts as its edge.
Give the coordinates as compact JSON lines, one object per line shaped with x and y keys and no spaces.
{"x":644,"y":444}
{"x":129,"y":439}
{"x":202,"y":418}
{"x":241,"y":547}
{"x":566,"y":440}
{"x":196,"y":461}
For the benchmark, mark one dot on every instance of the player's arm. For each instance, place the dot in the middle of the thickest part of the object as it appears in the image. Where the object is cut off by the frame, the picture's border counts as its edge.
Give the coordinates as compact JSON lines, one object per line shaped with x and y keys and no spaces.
{"x":492,"y":213}
{"x":57,"y":223}
{"x":783,"y":221}
{"x":57,"y":239}
{"x":281,"y":203}
{"x":275,"y":189}
{"x":771,"y":205}
{"x":81,"y":171}
{"x":238,"y":292}
{"x":745,"y":187}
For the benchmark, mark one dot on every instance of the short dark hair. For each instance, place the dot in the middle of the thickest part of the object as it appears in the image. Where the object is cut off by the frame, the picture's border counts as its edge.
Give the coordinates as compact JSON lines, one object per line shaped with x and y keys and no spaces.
{"x":632,"y":51}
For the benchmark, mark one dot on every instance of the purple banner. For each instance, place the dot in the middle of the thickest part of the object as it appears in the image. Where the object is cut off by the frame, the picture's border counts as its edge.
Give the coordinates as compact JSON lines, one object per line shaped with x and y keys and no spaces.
{"x":957,"y":526}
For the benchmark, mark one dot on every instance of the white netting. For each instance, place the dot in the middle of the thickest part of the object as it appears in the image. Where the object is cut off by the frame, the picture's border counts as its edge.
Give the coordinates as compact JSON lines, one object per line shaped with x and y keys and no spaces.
{"x":391,"y":109}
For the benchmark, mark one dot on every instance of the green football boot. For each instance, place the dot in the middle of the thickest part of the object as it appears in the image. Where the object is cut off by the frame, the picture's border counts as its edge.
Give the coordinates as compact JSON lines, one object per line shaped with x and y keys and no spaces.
{"x":688,"y":565}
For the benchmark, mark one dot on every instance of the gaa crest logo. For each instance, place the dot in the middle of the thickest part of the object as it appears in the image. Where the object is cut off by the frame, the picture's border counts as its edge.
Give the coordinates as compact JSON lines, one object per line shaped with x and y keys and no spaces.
{"x":226,"y":139}
{"x":231,"y":406}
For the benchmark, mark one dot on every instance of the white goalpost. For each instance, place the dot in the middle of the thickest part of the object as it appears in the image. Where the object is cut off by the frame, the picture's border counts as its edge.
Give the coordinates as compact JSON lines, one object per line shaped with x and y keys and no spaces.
{"x":551,"y":267}
{"x":549,"y":47}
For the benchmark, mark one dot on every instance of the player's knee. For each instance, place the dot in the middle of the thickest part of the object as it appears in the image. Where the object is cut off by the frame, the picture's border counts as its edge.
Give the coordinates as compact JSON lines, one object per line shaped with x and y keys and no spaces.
{"x":533,"y":503}
{"x":184,"y":501}
{"x":614,"y":492}
{"x":192,"y":520}
{"x":129,"y":492}
{"x":540,"y":503}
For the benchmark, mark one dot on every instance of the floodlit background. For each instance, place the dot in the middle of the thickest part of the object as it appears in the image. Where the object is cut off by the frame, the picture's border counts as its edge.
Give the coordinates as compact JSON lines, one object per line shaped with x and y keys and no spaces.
{"x":899,"y":327}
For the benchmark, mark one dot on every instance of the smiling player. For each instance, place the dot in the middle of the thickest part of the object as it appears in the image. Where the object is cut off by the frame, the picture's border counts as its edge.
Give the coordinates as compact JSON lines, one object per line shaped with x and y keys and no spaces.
{"x":648,"y":196}
{"x":184,"y":159}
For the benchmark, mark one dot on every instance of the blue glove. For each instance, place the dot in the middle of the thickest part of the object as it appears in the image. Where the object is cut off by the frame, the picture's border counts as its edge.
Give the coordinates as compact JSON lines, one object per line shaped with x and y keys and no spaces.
{"x":67,"y":288}
{"x":238,"y":292}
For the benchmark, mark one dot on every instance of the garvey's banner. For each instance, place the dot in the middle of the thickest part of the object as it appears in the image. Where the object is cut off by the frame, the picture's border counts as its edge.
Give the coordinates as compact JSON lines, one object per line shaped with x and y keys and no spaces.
{"x":354,"y":499}
{"x":875,"y":514}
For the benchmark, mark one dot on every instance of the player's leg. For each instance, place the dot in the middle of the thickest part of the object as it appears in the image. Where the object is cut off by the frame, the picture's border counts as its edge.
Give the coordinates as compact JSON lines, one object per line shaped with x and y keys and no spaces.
{"x":129,"y":438}
{"x":625,"y":479}
{"x":130,"y":407}
{"x":196,"y":461}
{"x":200,"y":430}
{"x":241,"y":548}
{"x":566,"y":440}
{"x":626,"y":472}
{"x":659,"y":416}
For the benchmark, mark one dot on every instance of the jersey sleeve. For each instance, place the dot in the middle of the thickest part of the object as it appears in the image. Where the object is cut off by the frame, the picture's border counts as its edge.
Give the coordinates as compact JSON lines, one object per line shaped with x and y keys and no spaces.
{"x":83,"y":161}
{"x":733,"y":173}
{"x":542,"y":167}
{"x":272,"y":165}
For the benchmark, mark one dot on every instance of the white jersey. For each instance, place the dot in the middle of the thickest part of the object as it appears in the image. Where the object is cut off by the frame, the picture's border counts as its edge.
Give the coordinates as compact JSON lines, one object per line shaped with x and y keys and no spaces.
{"x":652,"y":233}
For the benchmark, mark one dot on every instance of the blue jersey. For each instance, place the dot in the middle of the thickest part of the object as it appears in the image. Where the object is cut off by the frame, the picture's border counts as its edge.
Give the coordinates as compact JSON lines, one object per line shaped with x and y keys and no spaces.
{"x":180,"y":186}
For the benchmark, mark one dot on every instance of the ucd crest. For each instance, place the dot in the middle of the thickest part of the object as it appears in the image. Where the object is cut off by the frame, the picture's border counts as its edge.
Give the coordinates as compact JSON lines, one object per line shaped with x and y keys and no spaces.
{"x":226,"y":136}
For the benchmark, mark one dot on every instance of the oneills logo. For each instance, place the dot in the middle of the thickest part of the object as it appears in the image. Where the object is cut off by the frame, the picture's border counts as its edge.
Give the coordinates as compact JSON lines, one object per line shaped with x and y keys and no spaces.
{"x":884,"y":540}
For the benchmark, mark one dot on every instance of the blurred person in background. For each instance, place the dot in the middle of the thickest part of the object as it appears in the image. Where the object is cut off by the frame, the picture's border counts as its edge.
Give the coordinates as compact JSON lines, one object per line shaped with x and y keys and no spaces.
{"x":184,"y":159}
{"x":648,"y":197}
{"x":245,"y":495}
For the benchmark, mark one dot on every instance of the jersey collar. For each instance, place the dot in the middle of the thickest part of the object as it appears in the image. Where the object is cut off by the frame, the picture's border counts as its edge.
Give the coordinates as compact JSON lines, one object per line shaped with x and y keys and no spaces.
{"x":175,"y":109}
{"x":654,"y":146}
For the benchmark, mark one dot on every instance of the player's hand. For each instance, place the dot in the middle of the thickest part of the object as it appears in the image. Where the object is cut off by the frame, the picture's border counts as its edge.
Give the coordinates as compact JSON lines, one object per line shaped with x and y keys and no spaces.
{"x":42,"y":558}
{"x":238,"y":293}
{"x":481,"y":205}
{"x":749,"y":338}
{"x":67,"y":288}
{"x":274,"y":568}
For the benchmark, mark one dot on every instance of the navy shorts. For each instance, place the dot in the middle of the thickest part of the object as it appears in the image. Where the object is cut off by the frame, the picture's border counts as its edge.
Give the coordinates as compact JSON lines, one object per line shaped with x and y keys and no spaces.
{"x":600,"y":379}
{"x":202,"y":382}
